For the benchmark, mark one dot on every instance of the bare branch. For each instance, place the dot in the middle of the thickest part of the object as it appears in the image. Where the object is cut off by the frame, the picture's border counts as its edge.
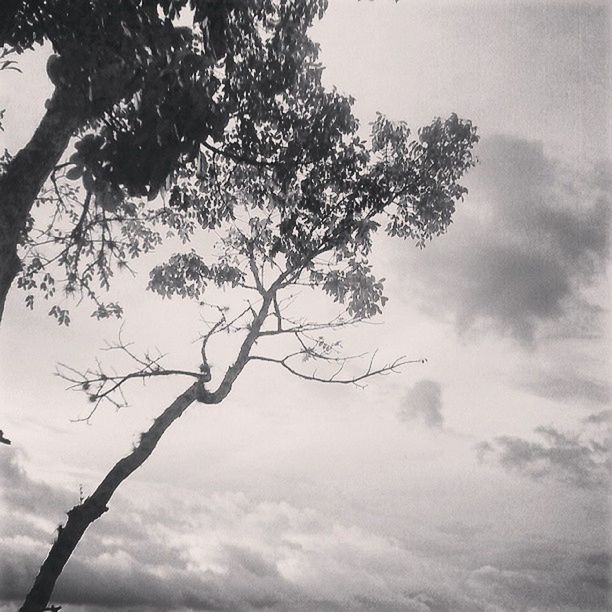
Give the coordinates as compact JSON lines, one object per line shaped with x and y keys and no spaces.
{"x":99,"y":385}
{"x":279,"y":318}
{"x":370,"y":372}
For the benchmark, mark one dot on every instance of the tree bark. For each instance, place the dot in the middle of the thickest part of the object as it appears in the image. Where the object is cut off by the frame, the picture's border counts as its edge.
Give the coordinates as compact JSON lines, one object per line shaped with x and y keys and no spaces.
{"x":22,"y":181}
{"x":83,"y":515}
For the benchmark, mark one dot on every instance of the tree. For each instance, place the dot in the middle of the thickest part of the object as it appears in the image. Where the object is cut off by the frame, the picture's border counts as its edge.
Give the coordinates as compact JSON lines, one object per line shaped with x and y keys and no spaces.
{"x":280,"y":227}
{"x":142,"y":93}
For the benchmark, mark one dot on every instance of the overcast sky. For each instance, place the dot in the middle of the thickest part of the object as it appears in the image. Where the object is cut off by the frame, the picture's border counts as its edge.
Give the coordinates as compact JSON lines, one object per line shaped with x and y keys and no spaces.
{"x":475,"y":481}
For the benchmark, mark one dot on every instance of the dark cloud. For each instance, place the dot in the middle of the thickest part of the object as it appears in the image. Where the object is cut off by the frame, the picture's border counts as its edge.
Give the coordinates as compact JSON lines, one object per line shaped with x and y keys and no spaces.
{"x":579,"y":459}
{"x":28,"y":495}
{"x":531,"y":238}
{"x":423,"y":402}
{"x":559,"y":575}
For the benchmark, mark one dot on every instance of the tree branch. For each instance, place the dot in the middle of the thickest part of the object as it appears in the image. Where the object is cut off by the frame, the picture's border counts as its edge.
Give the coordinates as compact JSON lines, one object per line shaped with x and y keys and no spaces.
{"x":354,"y":380}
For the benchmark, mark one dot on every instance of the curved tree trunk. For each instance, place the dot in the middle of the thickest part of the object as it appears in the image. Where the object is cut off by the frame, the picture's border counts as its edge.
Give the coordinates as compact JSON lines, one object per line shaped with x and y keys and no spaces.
{"x":83,"y":515}
{"x":23,"y":180}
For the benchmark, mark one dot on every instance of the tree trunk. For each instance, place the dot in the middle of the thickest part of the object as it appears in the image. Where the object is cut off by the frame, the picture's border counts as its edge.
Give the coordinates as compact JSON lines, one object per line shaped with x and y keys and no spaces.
{"x":83,"y":515}
{"x":22,"y":181}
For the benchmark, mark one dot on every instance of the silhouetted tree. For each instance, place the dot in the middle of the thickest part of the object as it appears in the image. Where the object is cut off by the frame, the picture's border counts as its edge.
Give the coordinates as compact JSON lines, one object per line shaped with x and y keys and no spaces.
{"x":280,"y":227}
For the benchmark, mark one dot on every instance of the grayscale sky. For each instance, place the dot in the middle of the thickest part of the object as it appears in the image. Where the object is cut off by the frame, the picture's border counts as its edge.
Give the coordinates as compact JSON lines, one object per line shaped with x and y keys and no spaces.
{"x":477,"y":481}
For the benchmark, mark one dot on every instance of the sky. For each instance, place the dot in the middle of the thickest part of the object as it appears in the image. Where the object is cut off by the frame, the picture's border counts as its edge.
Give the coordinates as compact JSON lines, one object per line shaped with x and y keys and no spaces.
{"x":476,"y":481}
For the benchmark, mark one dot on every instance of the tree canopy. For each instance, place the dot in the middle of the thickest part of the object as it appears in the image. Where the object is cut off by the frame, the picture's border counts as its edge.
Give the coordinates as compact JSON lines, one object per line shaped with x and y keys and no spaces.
{"x":224,"y":125}
{"x":143,"y":92}
{"x":279,"y":228}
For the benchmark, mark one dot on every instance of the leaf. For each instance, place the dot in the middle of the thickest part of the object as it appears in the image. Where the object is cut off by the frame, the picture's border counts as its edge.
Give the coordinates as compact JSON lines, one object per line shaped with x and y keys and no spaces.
{"x":74,"y":173}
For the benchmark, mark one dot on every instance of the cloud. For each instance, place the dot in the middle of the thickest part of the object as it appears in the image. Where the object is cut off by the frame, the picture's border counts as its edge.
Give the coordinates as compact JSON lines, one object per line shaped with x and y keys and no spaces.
{"x":604,"y":416}
{"x":580,"y":459}
{"x":568,"y":386}
{"x":28,"y":495}
{"x":556,"y":574}
{"x":423,"y":402}
{"x":220,"y":552}
{"x":462,"y":530}
{"x":226,"y":551}
{"x":528,"y":243}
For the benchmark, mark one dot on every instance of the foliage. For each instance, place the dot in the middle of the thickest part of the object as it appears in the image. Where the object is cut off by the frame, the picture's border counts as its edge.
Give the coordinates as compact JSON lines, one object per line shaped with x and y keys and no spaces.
{"x":199,"y":113}
{"x":329,"y":204}
{"x":279,"y":229}
{"x":249,"y":69}
{"x":315,"y":222}
{"x":144,"y":93}
{"x":152,"y":90}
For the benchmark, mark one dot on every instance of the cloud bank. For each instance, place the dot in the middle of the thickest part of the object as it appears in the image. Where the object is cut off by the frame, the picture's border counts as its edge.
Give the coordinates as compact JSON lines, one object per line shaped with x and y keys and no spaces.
{"x":229,"y":552}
